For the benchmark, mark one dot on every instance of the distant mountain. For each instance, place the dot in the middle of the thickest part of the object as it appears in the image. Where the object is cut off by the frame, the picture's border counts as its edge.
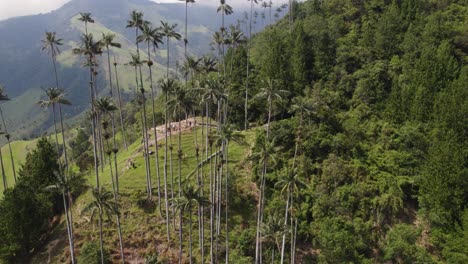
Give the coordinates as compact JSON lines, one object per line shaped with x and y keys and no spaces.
{"x":24,"y":69}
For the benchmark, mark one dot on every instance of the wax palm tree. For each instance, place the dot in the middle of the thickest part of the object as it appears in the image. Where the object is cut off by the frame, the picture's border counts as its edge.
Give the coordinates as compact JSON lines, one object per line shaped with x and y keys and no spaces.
{"x":141,"y":99}
{"x":166,"y":85}
{"x":270,"y":91}
{"x":192,"y":68}
{"x":265,"y":155}
{"x":248,"y":65}
{"x":4,"y":97}
{"x":61,"y":100}
{"x":207,"y":65}
{"x":224,"y":137}
{"x":272,"y":230}
{"x":119,"y":100}
{"x":180,"y":105}
{"x":262,"y":15}
{"x":56,"y":97}
{"x":186,"y":35}
{"x":152,"y":37}
{"x":5,"y":182}
{"x":136,"y":62}
{"x":289,"y":184}
{"x":291,"y":15}
{"x":52,"y":97}
{"x":136,"y":21}
{"x":106,"y":107}
{"x":64,"y":185}
{"x":51,"y":43}
{"x":104,"y":203}
{"x":225,"y":10}
{"x":235,"y":38}
{"x":90,"y":48}
{"x":107,"y":42}
{"x":169,"y":32}
{"x":211,"y":94}
{"x":268,"y":5}
{"x":186,"y":24}
{"x":86,"y":18}
{"x":301,"y":107}
{"x":190,"y":198}
{"x":217,"y":39}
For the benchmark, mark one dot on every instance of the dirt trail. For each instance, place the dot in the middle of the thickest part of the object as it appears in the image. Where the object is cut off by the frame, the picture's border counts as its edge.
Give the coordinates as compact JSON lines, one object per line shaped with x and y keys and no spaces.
{"x":173,"y":129}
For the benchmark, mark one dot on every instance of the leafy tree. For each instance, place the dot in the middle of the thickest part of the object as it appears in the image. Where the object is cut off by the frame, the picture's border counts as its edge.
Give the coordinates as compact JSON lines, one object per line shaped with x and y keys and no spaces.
{"x":27,"y":207}
{"x":400,"y":245}
{"x":23,"y":221}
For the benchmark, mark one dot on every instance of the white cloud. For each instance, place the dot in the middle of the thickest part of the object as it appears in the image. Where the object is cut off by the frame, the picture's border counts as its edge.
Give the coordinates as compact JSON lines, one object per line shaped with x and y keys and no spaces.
{"x":13,"y":8}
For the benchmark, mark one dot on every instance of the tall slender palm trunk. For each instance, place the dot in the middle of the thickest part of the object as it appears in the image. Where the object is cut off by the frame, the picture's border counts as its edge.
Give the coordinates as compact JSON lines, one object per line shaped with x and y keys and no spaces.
{"x":55,"y":130}
{"x":115,"y":150}
{"x":248,"y":69}
{"x":179,"y":153}
{"x":9,"y":144}
{"x":165,"y":145}
{"x":215,"y":205}
{"x":63,"y":135}
{"x":69,"y":224}
{"x":290,"y":15}
{"x":93,"y":124}
{"x":124,"y":134}
{"x":201,"y":208}
{"x":283,"y":241}
{"x":101,"y":242}
{"x":115,"y":193}
{"x":145,"y":153}
{"x":226,"y":193}
{"x":5,"y":182}
{"x":180,"y":235}
{"x":119,"y":230}
{"x":292,"y":234}
{"x":112,"y":118}
{"x":145,"y":140}
{"x":154,"y":130}
{"x":60,"y":111}
{"x":190,"y":232}
{"x":258,"y":244}
{"x":171,"y":170}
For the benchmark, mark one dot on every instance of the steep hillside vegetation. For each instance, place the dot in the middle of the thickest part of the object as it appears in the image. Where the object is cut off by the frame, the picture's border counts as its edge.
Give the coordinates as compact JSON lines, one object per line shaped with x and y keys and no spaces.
{"x":353,"y":149}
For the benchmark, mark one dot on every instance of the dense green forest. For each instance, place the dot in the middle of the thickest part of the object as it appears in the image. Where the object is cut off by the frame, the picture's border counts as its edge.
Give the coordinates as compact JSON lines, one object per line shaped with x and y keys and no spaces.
{"x":338,"y":134}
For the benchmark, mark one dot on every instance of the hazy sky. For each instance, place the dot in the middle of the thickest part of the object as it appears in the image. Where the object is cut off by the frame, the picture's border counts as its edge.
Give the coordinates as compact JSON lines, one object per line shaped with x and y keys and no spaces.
{"x":12,"y":8}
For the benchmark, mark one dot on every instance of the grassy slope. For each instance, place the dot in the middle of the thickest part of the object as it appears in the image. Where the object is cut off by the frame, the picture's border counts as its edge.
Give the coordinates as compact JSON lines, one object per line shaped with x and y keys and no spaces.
{"x":144,"y":230}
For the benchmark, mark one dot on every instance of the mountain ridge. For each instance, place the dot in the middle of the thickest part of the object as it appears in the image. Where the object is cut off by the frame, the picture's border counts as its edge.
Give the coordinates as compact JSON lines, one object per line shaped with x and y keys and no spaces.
{"x":25,"y":69}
